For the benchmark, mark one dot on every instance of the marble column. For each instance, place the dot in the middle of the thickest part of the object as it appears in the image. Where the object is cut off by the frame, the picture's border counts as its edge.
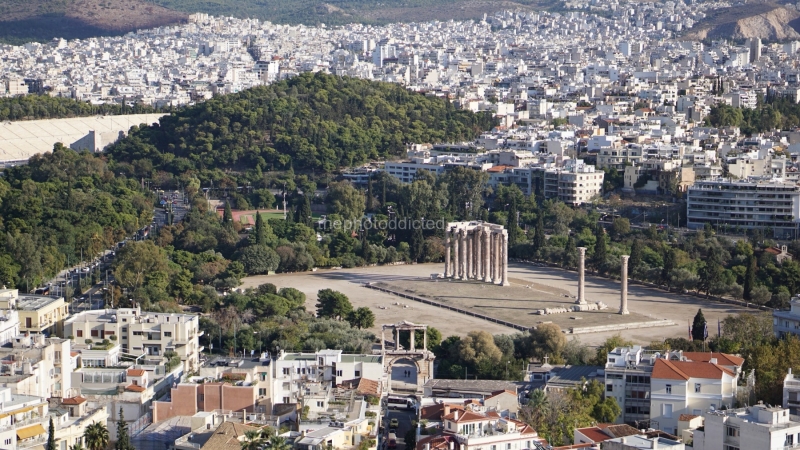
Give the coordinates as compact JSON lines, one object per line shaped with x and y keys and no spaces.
{"x":623,"y":295}
{"x":468,"y":270}
{"x":446,"y":253}
{"x":497,"y":253}
{"x":456,"y":256}
{"x":581,"y":277}
{"x":412,"y":336}
{"x":478,"y":254}
{"x":463,"y":267}
{"x":487,"y":261}
{"x":504,"y":262}
{"x":383,"y":341}
{"x":396,"y":339}
{"x":425,"y":339}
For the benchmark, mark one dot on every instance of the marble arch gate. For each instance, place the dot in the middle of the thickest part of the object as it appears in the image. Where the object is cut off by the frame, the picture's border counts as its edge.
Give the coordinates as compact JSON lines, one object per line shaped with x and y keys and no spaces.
{"x":422,"y":359}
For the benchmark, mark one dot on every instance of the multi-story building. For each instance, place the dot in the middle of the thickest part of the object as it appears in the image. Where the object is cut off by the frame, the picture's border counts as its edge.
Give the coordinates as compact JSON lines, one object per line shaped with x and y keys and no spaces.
{"x":38,"y":366}
{"x":138,"y":333}
{"x":628,"y":371}
{"x":481,"y":429}
{"x":767,"y":205}
{"x":791,"y":393}
{"x":688,"y":387}
{"x":785,"y":323}
{"x":291,"y":371}
{"x":754,"y":427}
{"x":37,"y":313}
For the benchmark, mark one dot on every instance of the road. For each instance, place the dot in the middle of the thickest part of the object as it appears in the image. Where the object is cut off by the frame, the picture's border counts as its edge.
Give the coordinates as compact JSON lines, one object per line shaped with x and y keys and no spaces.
{"x":404,"y":419}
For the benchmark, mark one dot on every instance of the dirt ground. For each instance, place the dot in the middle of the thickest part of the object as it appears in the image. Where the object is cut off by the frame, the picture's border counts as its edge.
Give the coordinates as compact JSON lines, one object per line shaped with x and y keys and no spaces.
{"x":644,"y":301}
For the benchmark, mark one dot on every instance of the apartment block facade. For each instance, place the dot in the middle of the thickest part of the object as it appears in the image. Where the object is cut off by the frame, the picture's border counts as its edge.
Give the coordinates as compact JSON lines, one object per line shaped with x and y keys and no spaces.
{"x":766,"y":205}
{"x":138,"y":333}
{"x":755,"y":427}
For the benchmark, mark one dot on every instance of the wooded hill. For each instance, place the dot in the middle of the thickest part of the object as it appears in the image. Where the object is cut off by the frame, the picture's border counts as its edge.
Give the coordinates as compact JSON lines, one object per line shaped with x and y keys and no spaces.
{"x":313,"y":122}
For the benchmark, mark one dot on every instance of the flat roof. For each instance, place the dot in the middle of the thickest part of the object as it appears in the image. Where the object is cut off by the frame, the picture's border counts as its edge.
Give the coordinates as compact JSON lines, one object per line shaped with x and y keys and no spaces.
{"x":35,"y":302}
{"x":362,"y":358}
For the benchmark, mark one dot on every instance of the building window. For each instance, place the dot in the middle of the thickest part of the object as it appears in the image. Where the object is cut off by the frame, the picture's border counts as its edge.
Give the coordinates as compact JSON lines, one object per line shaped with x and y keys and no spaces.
{"x":667,"y":410}
{"x":732,"y":431}
{"x":168,"y":333}
{"x":80,"y":333}
{"x":669,"y":389}
{"x":320,"y":404}
{"x":287,"y":371}
{"x":609,"y":388}
{"x":358,"y":373}
{"x":95,"y":333}
{"x":789,"y":440}
{"x":338,"y":373}
{"x":285,"y":399}
{"x":731,"y":447}
{"x":262,"y":391}
{"x":697,"y":387}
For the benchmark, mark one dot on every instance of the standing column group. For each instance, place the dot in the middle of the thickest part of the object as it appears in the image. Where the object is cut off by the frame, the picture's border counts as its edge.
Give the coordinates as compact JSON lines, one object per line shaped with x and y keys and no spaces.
{"x":476,"y":251}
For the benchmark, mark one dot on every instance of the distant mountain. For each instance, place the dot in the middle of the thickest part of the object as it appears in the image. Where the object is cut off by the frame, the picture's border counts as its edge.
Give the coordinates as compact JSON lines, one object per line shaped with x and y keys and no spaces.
{"x":42,"y":20}
{"x":767,"y":21}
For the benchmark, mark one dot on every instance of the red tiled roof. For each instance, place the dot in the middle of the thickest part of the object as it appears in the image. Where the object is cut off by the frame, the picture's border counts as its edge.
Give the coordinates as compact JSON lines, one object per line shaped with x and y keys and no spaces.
{"x":498,"y":168}
{"x":723,"y":359}
{"x":466,"y":416}
{"x":369,"y":387}
{"x":134,"y":388}
{"x":136,"y":372}
{"x":496,"y":393}
{"x":683,"y":370}
{"x":686,"y":417}
{"x":594,"y":434}
{"x":435,"y":412}
{"x":437,"y":441}
{"x":773,"y":251}
{"x":73,"y":400}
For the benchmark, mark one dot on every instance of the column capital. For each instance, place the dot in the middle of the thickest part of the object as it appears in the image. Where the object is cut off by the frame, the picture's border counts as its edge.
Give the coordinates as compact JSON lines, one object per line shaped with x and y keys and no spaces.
{"x":625,"y":258}
{"x":582,"y":250}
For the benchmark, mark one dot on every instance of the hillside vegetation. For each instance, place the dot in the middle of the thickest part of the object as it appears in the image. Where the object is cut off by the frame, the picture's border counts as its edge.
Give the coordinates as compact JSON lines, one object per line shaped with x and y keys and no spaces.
{"x":30,"y":107}
{"x":312,"y":123}
{"x":42,"y":20}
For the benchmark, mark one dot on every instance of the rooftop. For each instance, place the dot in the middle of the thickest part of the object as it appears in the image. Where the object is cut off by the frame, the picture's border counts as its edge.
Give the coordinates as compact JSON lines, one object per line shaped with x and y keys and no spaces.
{"x":36,"y":302}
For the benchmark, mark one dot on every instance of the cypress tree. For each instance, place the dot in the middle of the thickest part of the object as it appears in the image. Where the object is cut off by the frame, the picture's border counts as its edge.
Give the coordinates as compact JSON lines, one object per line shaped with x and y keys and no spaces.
{"x":260,"y":232}
{"x":51,"y":436}
{"x":750,"y":278}
{"x":636,"y":256}
{"x":304,"y":212}
{"x":512,"y":225}
{"x":570,"y":253}
{"x":123,"y":440}
{"x":600,"y":250}
{"x":417,"y":244}
{"x":669,"y":264}
{"x":699,"y":326}
{"x":227,"y":215}
{"x":538,"y":236}
{"x":368,"y":206}
{"x":383,"y":194}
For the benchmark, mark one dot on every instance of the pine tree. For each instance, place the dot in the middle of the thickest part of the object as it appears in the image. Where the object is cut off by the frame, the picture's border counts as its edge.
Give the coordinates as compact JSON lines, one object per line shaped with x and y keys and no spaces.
{"x":600,"y":250}
{"x":51,"y":436}
{"x":260,"y":231}
{"x":750,"y":278}
{"x":227,"y":215}
{"x":699,"y":326}
{"x":123,"y":440}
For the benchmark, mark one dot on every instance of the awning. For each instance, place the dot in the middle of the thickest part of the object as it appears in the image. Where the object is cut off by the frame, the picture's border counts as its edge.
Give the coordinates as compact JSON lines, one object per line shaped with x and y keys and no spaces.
{"x":17,"y":411}
{"x":29,"y":432}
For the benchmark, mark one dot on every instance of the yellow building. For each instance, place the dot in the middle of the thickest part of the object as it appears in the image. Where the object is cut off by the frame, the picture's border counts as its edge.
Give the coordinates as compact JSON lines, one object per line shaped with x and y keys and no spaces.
{"x":37,"y":313}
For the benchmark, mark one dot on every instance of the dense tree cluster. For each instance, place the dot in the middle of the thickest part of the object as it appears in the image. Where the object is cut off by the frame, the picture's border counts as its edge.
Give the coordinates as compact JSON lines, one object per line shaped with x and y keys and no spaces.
{"x":30,"y":107}
{"x":313,"y":122}
{"x":772,"y":113}
{"x":61,"y":206}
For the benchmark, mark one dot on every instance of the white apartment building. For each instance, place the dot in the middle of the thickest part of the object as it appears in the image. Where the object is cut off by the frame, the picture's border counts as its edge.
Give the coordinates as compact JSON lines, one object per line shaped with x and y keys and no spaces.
{"x":619,"y":156}
{"x":37,"y":366}
{"x":688,"y":387}
{"x":139,"y":333}
{"x":768,"y":205}
{"x":474,"y":429}
{"x":628,"y":376}
{"x":292,"y":370}
{"x":578,"y":183}
{"x":787,"y":322}
{"x":755,"y":427}
{"x":791,"y":393}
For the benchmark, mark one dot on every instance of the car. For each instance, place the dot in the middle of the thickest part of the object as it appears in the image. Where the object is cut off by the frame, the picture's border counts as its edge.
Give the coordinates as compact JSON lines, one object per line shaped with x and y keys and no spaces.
{"x":86,"y":269}
{"x":394,"y":423}
{"x":392,"y":431}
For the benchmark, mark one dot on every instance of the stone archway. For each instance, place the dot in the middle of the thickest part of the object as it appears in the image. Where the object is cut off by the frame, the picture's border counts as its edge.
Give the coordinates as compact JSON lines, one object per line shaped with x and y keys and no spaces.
{"x":415,"y":366}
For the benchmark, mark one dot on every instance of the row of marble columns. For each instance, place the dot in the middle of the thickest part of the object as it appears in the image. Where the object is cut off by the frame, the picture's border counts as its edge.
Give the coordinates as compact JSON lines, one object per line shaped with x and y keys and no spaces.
{"x":623,"y":300}
{"x":480,"y":253}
